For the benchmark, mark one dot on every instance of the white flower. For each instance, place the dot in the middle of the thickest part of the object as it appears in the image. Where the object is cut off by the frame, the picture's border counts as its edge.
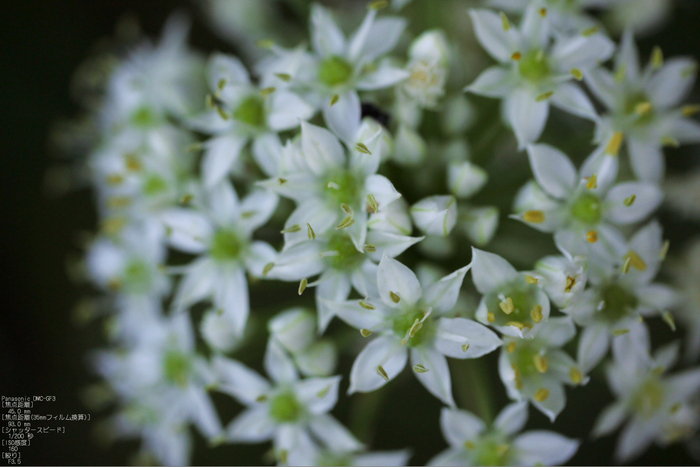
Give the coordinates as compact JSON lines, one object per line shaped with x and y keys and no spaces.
{"x":220,"y":231}
{"x":363,"y":458}
{"x":643,"y":104}
{"x":471,"y":443}
{"x":242,"y":112}
{"x":512,"y":301}
{"x":656,"y":405}
{"x":563,"y":277}
{"x":410,"y":320}
{"x":429,"y":62}
{"x":435,"y":215}
{"x":533,"y":72}
{"x":580,"y":208}
{"x":620,"y":297}
{"x":291,"y":412}
{"x":536,"y":368}
{"x":567,"y":17}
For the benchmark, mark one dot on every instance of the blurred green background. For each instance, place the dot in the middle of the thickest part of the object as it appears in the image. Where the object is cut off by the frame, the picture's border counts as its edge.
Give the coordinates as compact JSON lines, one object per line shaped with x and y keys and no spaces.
{"x":43,"y":351}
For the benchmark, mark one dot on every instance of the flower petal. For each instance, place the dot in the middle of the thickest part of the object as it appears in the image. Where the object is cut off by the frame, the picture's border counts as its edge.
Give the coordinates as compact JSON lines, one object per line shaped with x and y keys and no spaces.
{"x":647,"y":159}
{"x":454,"y":333}
{"x":278,"y":365}
{"x":593,"y":346}
{"x":321,"y":148}
{"x":318,"y":395}
{"x":610,"y":419}
{"x":437,"y":378}
{"x":526,"y":116}
{"x":239,"y":381}
{"x":343,"y":117}
{"x":257,"y":208}
{"x":459,"y":426}
{"x":221,"y":153}
{"x":571,"y":98}
{"x":499,"y":43}
{"x":326,"y":37}
{"x":188,"y":230}
{"x":334,"y":435}
{"x":231,"y":295}
{"x":544,"y":448}
{"x":496,"y":81}
{"x":395,"y":279}
{"x":287,"y":110}
{"x":553,"y":170}
{"x":384,"y":351}
{"x":672,"y":83}
{"x":489,"y":271}
{"x":252,"y":426}
{"x":512,"y":418}
{"x":443,"y":294}
{"x":384,"y":76}
{"x":647,"y":199}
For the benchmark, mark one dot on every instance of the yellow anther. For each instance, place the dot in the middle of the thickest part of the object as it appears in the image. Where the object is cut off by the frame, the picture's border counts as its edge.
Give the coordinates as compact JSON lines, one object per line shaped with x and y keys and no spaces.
{"x":576,"y":73}
{"x":334,"y":99}
{"x":417,"y":325}
{"x":511,"y":306}
{"x":267,"y":91}
{"x":261,"y":398}
{"x":670,"y":141}
{"x":592,"y":182}
{"x":345,"y":223}
{"x":530,"y":279}
{"x":516,"y":56}
{"x":378,"y":4}
{"x":362,"y":148}
{"x":490,"y":317}
{"x":636,"y":260}
{"x":268,"y":267}
{"x":504,"y":308}
{"x":222,"y":112}
{"x":517,"y":324}
{"x":419,"y":368}
{"x":643,"y":108}
{"x":310,"y":232}
{"x":291,"y":229}
{"x":544,"y":96}
{"x":657,"y":57}
{"x":629,"y":201}
{"x":511,"y":347}
{"x":114,"y":285}
{"x":209,"y":101}
{"x":372,"y":205}
{"x":541,"y":363}
{"x":302,"y":285}
{"x":542,"y":395}
{"x":592,"y":236}
{"x":114,"y":179}
{"x":283,"y":456}
{"x":113,"y":225}
{"x":382,"y":372}
{"x":365,"y":332}
{"x":367,"y":305}
{"x":570,"y":282}
{"x":613,"y":147}
{"x":675,"y":407}
{"x":132,"y":162}
{"x":543,"y":12}
{"x":394,"y":297}
{"x":194,"y":147}
{"x":502,"y":449}
{"x":590,"y":31}
{"x":626,"y":265}
{"x":664,"y":250}
{"x":221,"y":84}
{"x":668,"y":319}
{"x":346,"y":208}
{"x":621,"y":73}
{"x":369,"y":248}
{"x":282,"y":181}
{"x":284,"y":76}
{"x":533,"y":216}
{"x":518,"y":376}
{"x":576,"y":376}
{"x":465,"y":347}
{"x":265,"y":43}
{"x":539,"y":56}
{"x":536,"y":313}
{"x":469,"y":445}
{"x":504,"y":21}
{"x":690,"y":110}
{"x":117,"y":202}
{"x":323,"y":392}
{"x":620,"y":332}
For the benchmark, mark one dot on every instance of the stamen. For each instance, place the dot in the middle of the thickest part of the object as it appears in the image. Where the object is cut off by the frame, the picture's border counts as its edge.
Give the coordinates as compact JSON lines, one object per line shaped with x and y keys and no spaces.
{"x":530,"y":279}
{"x":346,"y":208}
{"x":544,"y":96}
{"x":326,"y":254}
{"x":626,"y":265}
{"x":209,"y":101}
{"x":265,"y":43}
{"x":516,"y":56}
{"x":542,"y":395}
{"x":322,"y":393}
{"x":518,"y":376}
{"x":613,"y":147}
{"x":194,"y":147}
{"x":570,"y":282}
{"x":535,"y":217}
{"x":636,"y":260}
{"x":590,"y":31}
{"x":536,"y":313}
{"x":382,"y":372}
{"x":419,"y":368}
{"x":643,"y":108}
{"x":504,"y":21}
{"x":114,"y":179}
{"x":367,"y":305}
{"x":334,"y":99}
{"x":502,"y":449}
{"x":541,"y":363}
{"x":465,"y":347}
{"x":504,"y":308}
{"x":511,"y":347}
{"x":690,"y":110}
{"x":369,"y":248}
{"x":670,"y":141}
{"x":394,"y":297}
{"x":268,"y":267}
{"x":333,"y":186}
{"x":517,"y":324}
{"x":576,"y":376}
{"x":592,"y":236}
{"x":469,"y":445}
{"x":261,"y":398}
{"x":576,"y":73}
{"x":620,"y":332}
{"x":365,"y":332}
{"x":657,"y":58}
{"x":284,"y":76}
{"x":592,"y":183}
{"x":543,"y":12}
{"x":378,"y":5}
{"x":132,"y":162}
{"x":664,"y":250}
{"x":668,"y":319}
{"x":291,"y":229}
{"x":221,"y":111}
{"x":345,"y":223}
{"x":372,"y":205}
{"x":490,"y":317}
{"x":362,"y":148}
{"x":621,"y":73}
{"x":302,"y":285}
{"x":283,"y":455}
{"x":511,"y":306}
{"x":310,"y":232}
{"x":267,"y":91}
{"x":629,"y":201}
{"x":282,"y":181}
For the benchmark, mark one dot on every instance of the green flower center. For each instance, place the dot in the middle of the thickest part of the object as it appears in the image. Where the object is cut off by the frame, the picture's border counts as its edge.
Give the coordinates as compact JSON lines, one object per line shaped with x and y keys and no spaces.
{"x":330,"y":459}
{"x":343,"y":187}
{"x":285,"y":407}
{"x":334,"y":71}
{"x":251,"y":111}
{"x":618,"y":302}
{"x":154,"y":184}
{"x":225,"y":245}
{"x":533,"y":66}
{"x":587,"y":208}
{"x":638,"y":104}
{"x":492,"y":451}
{"x":521,"y":307}
{"x":143,"y":117}
{"x":526,"y":357}
{"x":648,"y":399}
{"x":348,"y":257}
{"x":177,"y":367}
{"x":423,"y":332}
{"x":137,"y":276}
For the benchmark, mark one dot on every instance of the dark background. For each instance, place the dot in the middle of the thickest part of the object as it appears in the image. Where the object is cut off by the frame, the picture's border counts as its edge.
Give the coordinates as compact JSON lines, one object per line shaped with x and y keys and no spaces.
{"x":42,"y":349}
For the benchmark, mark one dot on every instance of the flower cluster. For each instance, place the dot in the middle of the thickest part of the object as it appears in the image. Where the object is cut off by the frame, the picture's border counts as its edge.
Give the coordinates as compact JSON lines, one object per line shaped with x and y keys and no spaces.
{"x":216,"y":182}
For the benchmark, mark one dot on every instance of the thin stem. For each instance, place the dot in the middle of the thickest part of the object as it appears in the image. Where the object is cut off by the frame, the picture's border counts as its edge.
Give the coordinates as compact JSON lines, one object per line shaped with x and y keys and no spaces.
{"x":473,"y":387}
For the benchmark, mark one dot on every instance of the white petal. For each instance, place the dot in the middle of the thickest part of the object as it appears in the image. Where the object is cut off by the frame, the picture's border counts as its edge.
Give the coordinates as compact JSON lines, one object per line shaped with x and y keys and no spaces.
{"x":297,"y":186}
{"x":287,"y":110}
{"x":526,"y":116}
{"x":312,"y":211}
{"x":685,"y":130}
{"x":225,"y":67}
{"x":259,"y":255}
{"x":648,"y":198}
{"x":684,"y":385}
{"x":544,"y":448}
{"x":358,"y":230}
{"x":326,"y":37}
{"x":489,"y":271}
{"x":481,"y":223}
{"x":357,"y":41}
{"x":454,"y":333}
{"x":388,"y":458}
{"x":231,"y":295}
{"x":459,"y":426}
{"x":352,"y":313}
{"x":647,"y":159}
{"x":394,"y":277}
{"x":277,"y":363}
{"x":382,"y":37}
{"x":343,"y":117}
{"x":634,"y":439}
{"x":488,"y":28}
{"x":443,"y":294}
{"x":660,"y":297}
{"x":435,"y":215}
{"x":555,"y":332}
{"x":319,"y":359}
{"x":322,"y":150}
{"x":334,"y":286}
{"x":666,"y":357}
{"x":389,"y":243}
{"x":218,"y":332}
{"x":223,"y":203}
{"x":554,"y":404}
{"x":581,"y":52}
{"x":610,"y":419}
{"x":386,"y":351}
{"x":239,"y":381}
{"x":450,"y":457}
{"x":604,"y":166}
{"x":602,"y":83}
{"x":196,"y":285}
{"x":267,"y":152}
{"x":188,"y":230}
{"x":252,"y":426}
{"x":553,"y":170}
{"x":385,"y":75}
{"x":437,"y":378}
{"x":496,"y":81}
{"x":512,"y":418}
{"x":465,"y":178}
{"x":628,"y":56}
{"x":301,"y":261}
{"x":536,"y":29}
{"x":294,"y":329}
{"x":593,"y":346}
{"x":334,"y":435}
{"x":221,"y":153}
{"x":571,"y":98}
{"x":257,"y":208}
{"x":382,"y":189}
{"x":318,"y":395}
{"x":672,"y":83}
{"x":393,"y":218}
{"x":364,"y":279}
